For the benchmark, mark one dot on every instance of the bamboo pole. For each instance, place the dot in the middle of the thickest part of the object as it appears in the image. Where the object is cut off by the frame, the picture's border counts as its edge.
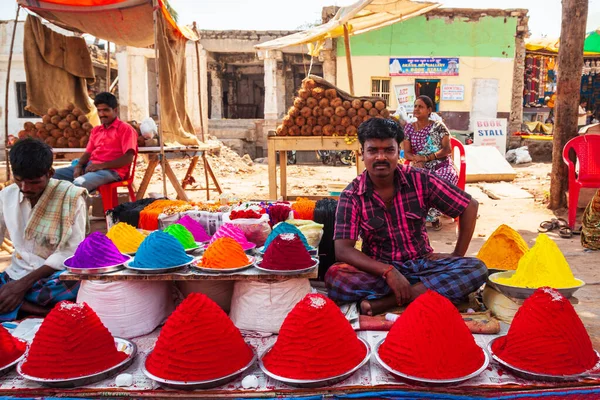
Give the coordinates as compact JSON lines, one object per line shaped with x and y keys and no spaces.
{"x":157,"y":9}
{"x":108,"y":78}
{"x":348,"y":59}
{"x":10,"y":55}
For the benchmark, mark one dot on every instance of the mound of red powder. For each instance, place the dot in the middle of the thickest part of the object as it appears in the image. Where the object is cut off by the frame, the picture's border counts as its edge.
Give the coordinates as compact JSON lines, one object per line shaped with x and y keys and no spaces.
{"x":198,"y":343}
{"x":11,"y":348}
{"x":430,"y":340}
{"x":286,"y":253}
{"x":547,"y":336}
{"x":315,"y":342}
{"x":71,"y":342}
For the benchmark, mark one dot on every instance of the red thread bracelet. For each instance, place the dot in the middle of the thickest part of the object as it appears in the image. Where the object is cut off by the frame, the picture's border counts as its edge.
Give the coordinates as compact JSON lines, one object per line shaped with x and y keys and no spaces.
{"x":387,"y":271}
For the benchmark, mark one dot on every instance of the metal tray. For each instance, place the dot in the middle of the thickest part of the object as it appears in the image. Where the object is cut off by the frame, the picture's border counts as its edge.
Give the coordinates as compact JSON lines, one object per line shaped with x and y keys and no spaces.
{"x":99,"y":270}
{"x":199,"y":384}
{"x":128,"y":347}
{"x":6,"y":368}
{"x":538,"y":376}
{"x":524,"y":293}
{"x":314,"y":252}
{"x":152,"y":271}
{"x":289,"y":272}
{"x":315,"y":383}
{"x":426,"y":381}
{"x":198,"y":261}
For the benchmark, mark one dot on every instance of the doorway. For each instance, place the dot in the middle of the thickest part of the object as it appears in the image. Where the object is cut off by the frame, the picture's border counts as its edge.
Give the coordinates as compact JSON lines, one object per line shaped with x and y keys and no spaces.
{"x":429,"y":88}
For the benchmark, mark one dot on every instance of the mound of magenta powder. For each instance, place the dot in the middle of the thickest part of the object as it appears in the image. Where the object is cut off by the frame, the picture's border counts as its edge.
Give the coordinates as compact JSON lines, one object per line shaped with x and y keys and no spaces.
{"x":233,"y":232}
{"x":195,"y":228}
{"x":286,"y":253}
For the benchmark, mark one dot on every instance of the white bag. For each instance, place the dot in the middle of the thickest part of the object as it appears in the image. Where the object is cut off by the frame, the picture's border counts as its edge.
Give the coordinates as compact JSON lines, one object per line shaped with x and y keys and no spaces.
{"x":148,"y":128}
{"x":218,"y":291}
{"x":262,"y":306}
{"x":129,"y":308}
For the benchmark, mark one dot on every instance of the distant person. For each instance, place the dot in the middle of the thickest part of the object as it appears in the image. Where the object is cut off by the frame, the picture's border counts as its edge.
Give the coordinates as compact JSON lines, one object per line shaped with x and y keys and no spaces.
{"x":46,"y":220}
{"x":582,"y":114}
{"x":110,"y":150}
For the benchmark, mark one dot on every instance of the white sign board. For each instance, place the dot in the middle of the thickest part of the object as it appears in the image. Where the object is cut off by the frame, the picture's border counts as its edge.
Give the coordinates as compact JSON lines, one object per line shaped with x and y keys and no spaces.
{"x":453,"y":92}
{"x":405,"y":95}
{"x":491,"y":132}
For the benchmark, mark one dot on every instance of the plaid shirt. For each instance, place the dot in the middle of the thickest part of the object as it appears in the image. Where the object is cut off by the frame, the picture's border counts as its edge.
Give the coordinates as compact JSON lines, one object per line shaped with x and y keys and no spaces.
{"x":396,"y":234}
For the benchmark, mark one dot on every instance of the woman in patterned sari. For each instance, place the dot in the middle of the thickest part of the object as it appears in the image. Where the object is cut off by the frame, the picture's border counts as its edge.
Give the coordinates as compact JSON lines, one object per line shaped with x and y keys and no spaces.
{"x":427,"y":145}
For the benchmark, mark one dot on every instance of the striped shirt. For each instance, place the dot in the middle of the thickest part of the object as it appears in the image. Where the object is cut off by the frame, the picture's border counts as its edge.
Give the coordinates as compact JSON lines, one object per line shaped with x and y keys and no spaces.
{"x":398,"y":233}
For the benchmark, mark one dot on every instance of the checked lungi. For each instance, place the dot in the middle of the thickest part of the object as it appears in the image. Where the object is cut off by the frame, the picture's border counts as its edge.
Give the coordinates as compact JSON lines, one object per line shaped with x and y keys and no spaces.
{"x":453,"y":277}
{"x":45,"y":292}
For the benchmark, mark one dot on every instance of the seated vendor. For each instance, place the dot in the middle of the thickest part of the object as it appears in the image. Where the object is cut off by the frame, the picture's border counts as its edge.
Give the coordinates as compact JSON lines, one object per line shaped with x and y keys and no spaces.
{"x":386,"y":206}
{"x":46,"y":220}
{"x":109,"y":152}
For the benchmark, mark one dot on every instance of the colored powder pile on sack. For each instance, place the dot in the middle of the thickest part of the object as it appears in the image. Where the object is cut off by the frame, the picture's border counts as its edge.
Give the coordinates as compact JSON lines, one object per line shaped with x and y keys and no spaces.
{"x":96,"y":251}
{"x":195,"y":228}
{"x":304,"y":208}
{"x":590,"y":224}
{"x":547,"y":336}
{"x":71,"y":342}
{"x":503,"y":249}
{"x":278,"y":212}
{"x":430,"y":340}
{"x":184,"y":236}
{"x":233,"y":232}
{"x":315,"y":341}
{"x":11,"y":348}
{"x":198,"y":343}
{"x":282,"y":228}
{"x":542,"y":265}
{"x":224,"y":253}
{"x":286,"y":253}
{"x":160,"y":250}
{"x":149,"y":215}
{"x":125,"y":237}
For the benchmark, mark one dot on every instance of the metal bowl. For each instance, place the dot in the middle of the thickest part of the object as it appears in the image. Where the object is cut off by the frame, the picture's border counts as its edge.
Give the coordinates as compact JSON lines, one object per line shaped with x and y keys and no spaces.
{"x":421,"y":381}
{"x":199,"y":384}
{"x":152,"y":271}
{"x":289,"y":272}
{"x":6,"y":368}
{"x":314,"y":252}
{"x":538,"y":376}
{"x":128,"y":347}
{"x":198,"y":262}
{"x":315,"y":383}
{"x":99,"y":270}
{"x":524,"y":293}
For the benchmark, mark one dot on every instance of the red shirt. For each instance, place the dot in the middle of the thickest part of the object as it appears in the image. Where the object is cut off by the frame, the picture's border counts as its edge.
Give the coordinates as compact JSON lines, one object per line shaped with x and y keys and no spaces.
{"x":108,"y":144}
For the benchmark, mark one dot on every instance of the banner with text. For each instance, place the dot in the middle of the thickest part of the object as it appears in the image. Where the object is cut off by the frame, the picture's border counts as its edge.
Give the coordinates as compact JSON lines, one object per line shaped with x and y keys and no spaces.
{"x":405,"y":95}
{"x":491,"y":132}
{"x":424,"y":66}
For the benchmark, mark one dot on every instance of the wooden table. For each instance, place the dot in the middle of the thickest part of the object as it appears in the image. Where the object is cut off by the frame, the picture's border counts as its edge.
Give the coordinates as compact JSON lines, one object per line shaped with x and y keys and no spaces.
{"x":283,"y":144}
{"x":153,"y":158}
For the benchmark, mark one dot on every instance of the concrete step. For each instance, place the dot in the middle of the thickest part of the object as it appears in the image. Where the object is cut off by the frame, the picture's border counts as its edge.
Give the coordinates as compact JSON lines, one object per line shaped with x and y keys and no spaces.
{"x":232,"y":123}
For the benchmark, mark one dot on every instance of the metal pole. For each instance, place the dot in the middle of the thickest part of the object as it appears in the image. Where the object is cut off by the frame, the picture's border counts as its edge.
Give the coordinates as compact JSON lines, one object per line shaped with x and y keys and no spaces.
{"x":10,"y":54}
{"x":157,"y":9}
{"x":108,"y":78}
{"x":348,"y":59}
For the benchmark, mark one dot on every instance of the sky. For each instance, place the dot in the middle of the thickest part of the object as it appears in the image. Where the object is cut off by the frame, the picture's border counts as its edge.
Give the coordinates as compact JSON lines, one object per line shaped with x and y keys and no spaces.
{"x":545,"y":15}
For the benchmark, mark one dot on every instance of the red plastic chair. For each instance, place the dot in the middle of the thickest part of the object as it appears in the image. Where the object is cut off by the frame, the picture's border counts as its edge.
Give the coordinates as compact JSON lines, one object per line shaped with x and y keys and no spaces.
{"x":109,"y":193}
{"x":587,"y":151}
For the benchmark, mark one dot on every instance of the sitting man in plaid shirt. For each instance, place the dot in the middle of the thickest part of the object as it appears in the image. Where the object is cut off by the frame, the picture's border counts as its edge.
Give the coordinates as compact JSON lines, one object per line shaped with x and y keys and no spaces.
{"x":386,"y":206}
{"x":46,"y":220}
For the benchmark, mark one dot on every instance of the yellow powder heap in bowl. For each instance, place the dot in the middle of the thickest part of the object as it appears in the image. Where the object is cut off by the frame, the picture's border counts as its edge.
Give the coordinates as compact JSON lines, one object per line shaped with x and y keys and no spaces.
{"x":503,"y":249}
{"x":125,"y":237}
{"x":543,"y":265}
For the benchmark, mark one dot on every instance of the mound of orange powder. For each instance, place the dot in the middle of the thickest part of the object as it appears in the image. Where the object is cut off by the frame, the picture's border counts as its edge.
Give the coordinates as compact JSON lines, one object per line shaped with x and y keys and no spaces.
{"x":11,"y":348}
{"x":71,"y":342}
{"x":315,"y":341}
{"x":224,"y":253}
{"x":547,"y":337}
{"x":198,"y":343}
{"x":430,"y":340}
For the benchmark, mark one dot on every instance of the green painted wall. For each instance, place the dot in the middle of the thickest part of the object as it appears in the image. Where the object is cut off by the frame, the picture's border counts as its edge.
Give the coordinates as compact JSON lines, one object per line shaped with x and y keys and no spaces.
{"x":487,"y":37}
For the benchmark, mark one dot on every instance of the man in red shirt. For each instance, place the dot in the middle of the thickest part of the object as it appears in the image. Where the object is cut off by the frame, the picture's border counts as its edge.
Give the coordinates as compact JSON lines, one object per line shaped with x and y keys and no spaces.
{"x":110,"y":150}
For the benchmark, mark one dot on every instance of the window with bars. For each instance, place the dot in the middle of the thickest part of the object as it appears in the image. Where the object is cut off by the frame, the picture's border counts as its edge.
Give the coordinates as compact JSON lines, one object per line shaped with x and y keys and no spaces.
{"x":380,"y":87}
{"x":22,"y":101}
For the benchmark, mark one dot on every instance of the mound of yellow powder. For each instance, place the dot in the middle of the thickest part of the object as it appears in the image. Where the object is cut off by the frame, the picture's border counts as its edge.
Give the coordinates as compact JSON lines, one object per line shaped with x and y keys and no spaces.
{"x":503,"y":249}
{"x":125,"y":237}
{"x":542,"y":265}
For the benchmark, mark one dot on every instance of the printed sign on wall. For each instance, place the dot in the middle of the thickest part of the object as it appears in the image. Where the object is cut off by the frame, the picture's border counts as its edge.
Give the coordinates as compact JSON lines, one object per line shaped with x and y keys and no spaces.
{"x":491,"y":132}
{"x":453,"y":92}
{"x":405,"y":95}
{"x":424,"y":66}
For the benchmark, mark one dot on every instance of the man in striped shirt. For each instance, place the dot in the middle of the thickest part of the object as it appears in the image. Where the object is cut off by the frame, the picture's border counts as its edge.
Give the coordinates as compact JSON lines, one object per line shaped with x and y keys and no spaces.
{"x":386,"y":206}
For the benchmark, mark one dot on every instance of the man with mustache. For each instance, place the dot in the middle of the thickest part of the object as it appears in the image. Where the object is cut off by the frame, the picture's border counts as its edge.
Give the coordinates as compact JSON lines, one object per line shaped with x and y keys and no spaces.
{"x":386,"y":206}
{"x":109,"y":152}
{"x":46,"y":220}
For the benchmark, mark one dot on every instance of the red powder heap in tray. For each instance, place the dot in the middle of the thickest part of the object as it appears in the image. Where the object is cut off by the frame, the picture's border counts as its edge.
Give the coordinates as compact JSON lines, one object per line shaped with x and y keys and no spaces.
{"x":11,"y":348}
{"x":431,"y":341}
{"x":286,"y":253}
{"x":198,"y":343}
{"x":71,"y":342}
{"x":315,"y":342}
{"x":547,"y":337}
